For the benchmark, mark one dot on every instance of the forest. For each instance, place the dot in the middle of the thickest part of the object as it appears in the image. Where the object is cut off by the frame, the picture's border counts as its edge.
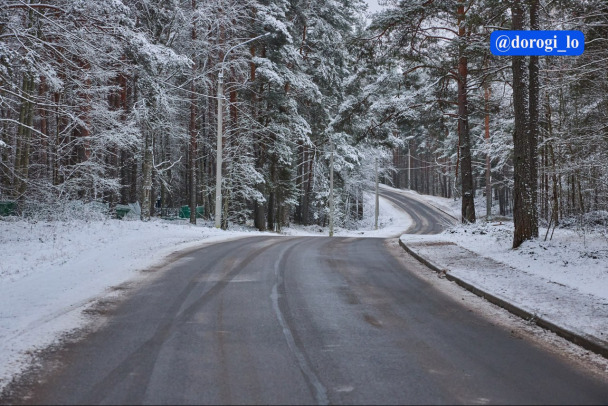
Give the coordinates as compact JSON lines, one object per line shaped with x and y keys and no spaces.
{"x":111,"y":102}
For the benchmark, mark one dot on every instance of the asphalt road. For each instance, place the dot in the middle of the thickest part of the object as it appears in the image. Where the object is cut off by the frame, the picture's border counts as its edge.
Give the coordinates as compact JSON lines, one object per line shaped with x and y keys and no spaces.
{"x":302,"y":320}
{"x":425,"y":219}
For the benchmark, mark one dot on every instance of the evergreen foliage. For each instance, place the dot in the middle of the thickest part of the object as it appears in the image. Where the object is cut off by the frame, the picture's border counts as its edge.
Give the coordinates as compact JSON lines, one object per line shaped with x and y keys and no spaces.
{"x":116,"y":101}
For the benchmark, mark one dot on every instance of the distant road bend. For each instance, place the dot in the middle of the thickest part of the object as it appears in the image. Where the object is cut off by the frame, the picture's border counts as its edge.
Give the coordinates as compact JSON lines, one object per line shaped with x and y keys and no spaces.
{"x":303,"y":320}
{"x":425,"y":219}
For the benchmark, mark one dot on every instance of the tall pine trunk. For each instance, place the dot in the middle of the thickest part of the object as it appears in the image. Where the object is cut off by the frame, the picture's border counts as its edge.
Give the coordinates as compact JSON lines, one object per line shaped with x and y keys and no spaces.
{"x":486,"y":93}
{"x":523,"y":209}
{"x":466,"y":170}
{"x":533,"y":123}
{"x":26,"y":119}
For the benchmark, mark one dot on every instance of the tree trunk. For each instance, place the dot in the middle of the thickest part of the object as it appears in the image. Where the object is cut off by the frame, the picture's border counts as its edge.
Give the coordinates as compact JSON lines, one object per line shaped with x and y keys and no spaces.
{"x":5,"y":156}
{"x":486,"y":93}
{"x":259,"y":215}
{"x":44,"y":129}
{"x":533,"y":123}
{"x":555,"y":195}
{"x":271,"y":202}
{"x":26,"y":119}
{"x":192,"y":153}
{"x":466,"y":170}
{"x":523,"y":212}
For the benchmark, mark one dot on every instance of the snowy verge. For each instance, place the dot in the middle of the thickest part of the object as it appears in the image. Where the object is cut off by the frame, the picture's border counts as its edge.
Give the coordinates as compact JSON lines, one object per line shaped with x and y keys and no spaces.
{"x":51,"y":271}
{"x":392,"y":222}
{"x":450,"y":207}
{"x":563,"y":280}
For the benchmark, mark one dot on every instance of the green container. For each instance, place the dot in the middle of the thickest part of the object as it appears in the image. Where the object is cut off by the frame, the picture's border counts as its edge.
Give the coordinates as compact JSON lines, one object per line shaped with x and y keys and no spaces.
{"x":121,"y":211}
{"x":184,"y":212}
{"x":8,"y":208}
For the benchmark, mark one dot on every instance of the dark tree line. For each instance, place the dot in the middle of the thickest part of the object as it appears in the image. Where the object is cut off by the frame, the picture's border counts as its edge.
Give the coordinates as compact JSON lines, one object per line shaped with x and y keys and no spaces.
{"x":494,"y":118}
{"x":116,"y":102}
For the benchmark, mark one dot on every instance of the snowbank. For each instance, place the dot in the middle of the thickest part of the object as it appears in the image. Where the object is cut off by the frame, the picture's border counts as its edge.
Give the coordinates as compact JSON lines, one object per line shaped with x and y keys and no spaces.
{"x":392,"y":222}
{"x":575,"y":258}
{"x":563,"y":280}
{"x":51,"y":271}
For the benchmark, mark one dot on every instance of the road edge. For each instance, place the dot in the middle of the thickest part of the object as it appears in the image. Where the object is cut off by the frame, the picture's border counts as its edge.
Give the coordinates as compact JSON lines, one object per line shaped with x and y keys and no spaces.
{"x":434,"y":206}
{"x":588,"y":343}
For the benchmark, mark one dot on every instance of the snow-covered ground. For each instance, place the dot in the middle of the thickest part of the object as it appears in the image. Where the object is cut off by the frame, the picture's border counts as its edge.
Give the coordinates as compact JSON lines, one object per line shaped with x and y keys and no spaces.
{"x":50,"y":272}
{"x":392,"y":222}
{"x":563,"y":280}
{"x":574,"y":258}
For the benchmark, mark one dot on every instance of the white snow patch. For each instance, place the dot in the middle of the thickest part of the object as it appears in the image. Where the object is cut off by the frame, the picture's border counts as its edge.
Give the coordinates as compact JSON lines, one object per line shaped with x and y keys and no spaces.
{"x":392,"y":222}
{"x":51,"y":271}
{"x":577,"y":259}
{"x":564,"y":279}
{"x":449,"y":206}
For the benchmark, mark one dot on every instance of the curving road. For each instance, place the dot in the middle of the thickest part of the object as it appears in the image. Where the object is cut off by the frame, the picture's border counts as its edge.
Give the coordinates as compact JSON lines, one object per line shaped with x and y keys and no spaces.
{"x":425,"y":219}
{"x":302,"y":320}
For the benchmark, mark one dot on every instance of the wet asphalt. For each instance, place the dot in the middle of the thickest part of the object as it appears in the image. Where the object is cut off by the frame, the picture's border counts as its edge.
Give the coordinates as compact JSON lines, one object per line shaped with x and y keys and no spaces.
{"x":302,"y":320}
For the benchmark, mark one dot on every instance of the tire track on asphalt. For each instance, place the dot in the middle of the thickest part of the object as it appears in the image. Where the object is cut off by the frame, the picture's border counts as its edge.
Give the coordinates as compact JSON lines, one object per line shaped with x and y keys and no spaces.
{"x":140,"y":364}
{"x":418,"y":212}
{"x":281,"y":309}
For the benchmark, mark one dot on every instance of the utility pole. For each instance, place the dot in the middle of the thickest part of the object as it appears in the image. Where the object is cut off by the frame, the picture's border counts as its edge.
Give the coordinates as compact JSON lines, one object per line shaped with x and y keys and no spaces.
{"x":377,"y":199}
{"x":218,"y":160}
{"x":331,"y":190}
{"x":409,"y":165}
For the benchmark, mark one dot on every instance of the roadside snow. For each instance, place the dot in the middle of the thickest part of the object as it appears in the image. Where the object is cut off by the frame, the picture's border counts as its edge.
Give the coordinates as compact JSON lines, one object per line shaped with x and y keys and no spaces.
{"x":448,"y":206}
{"x":570,"y":258}
{"x":577,"y":259}
{"x":563,"y":279}
{"x":51,"y":271}
{"x":392,"y":222}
